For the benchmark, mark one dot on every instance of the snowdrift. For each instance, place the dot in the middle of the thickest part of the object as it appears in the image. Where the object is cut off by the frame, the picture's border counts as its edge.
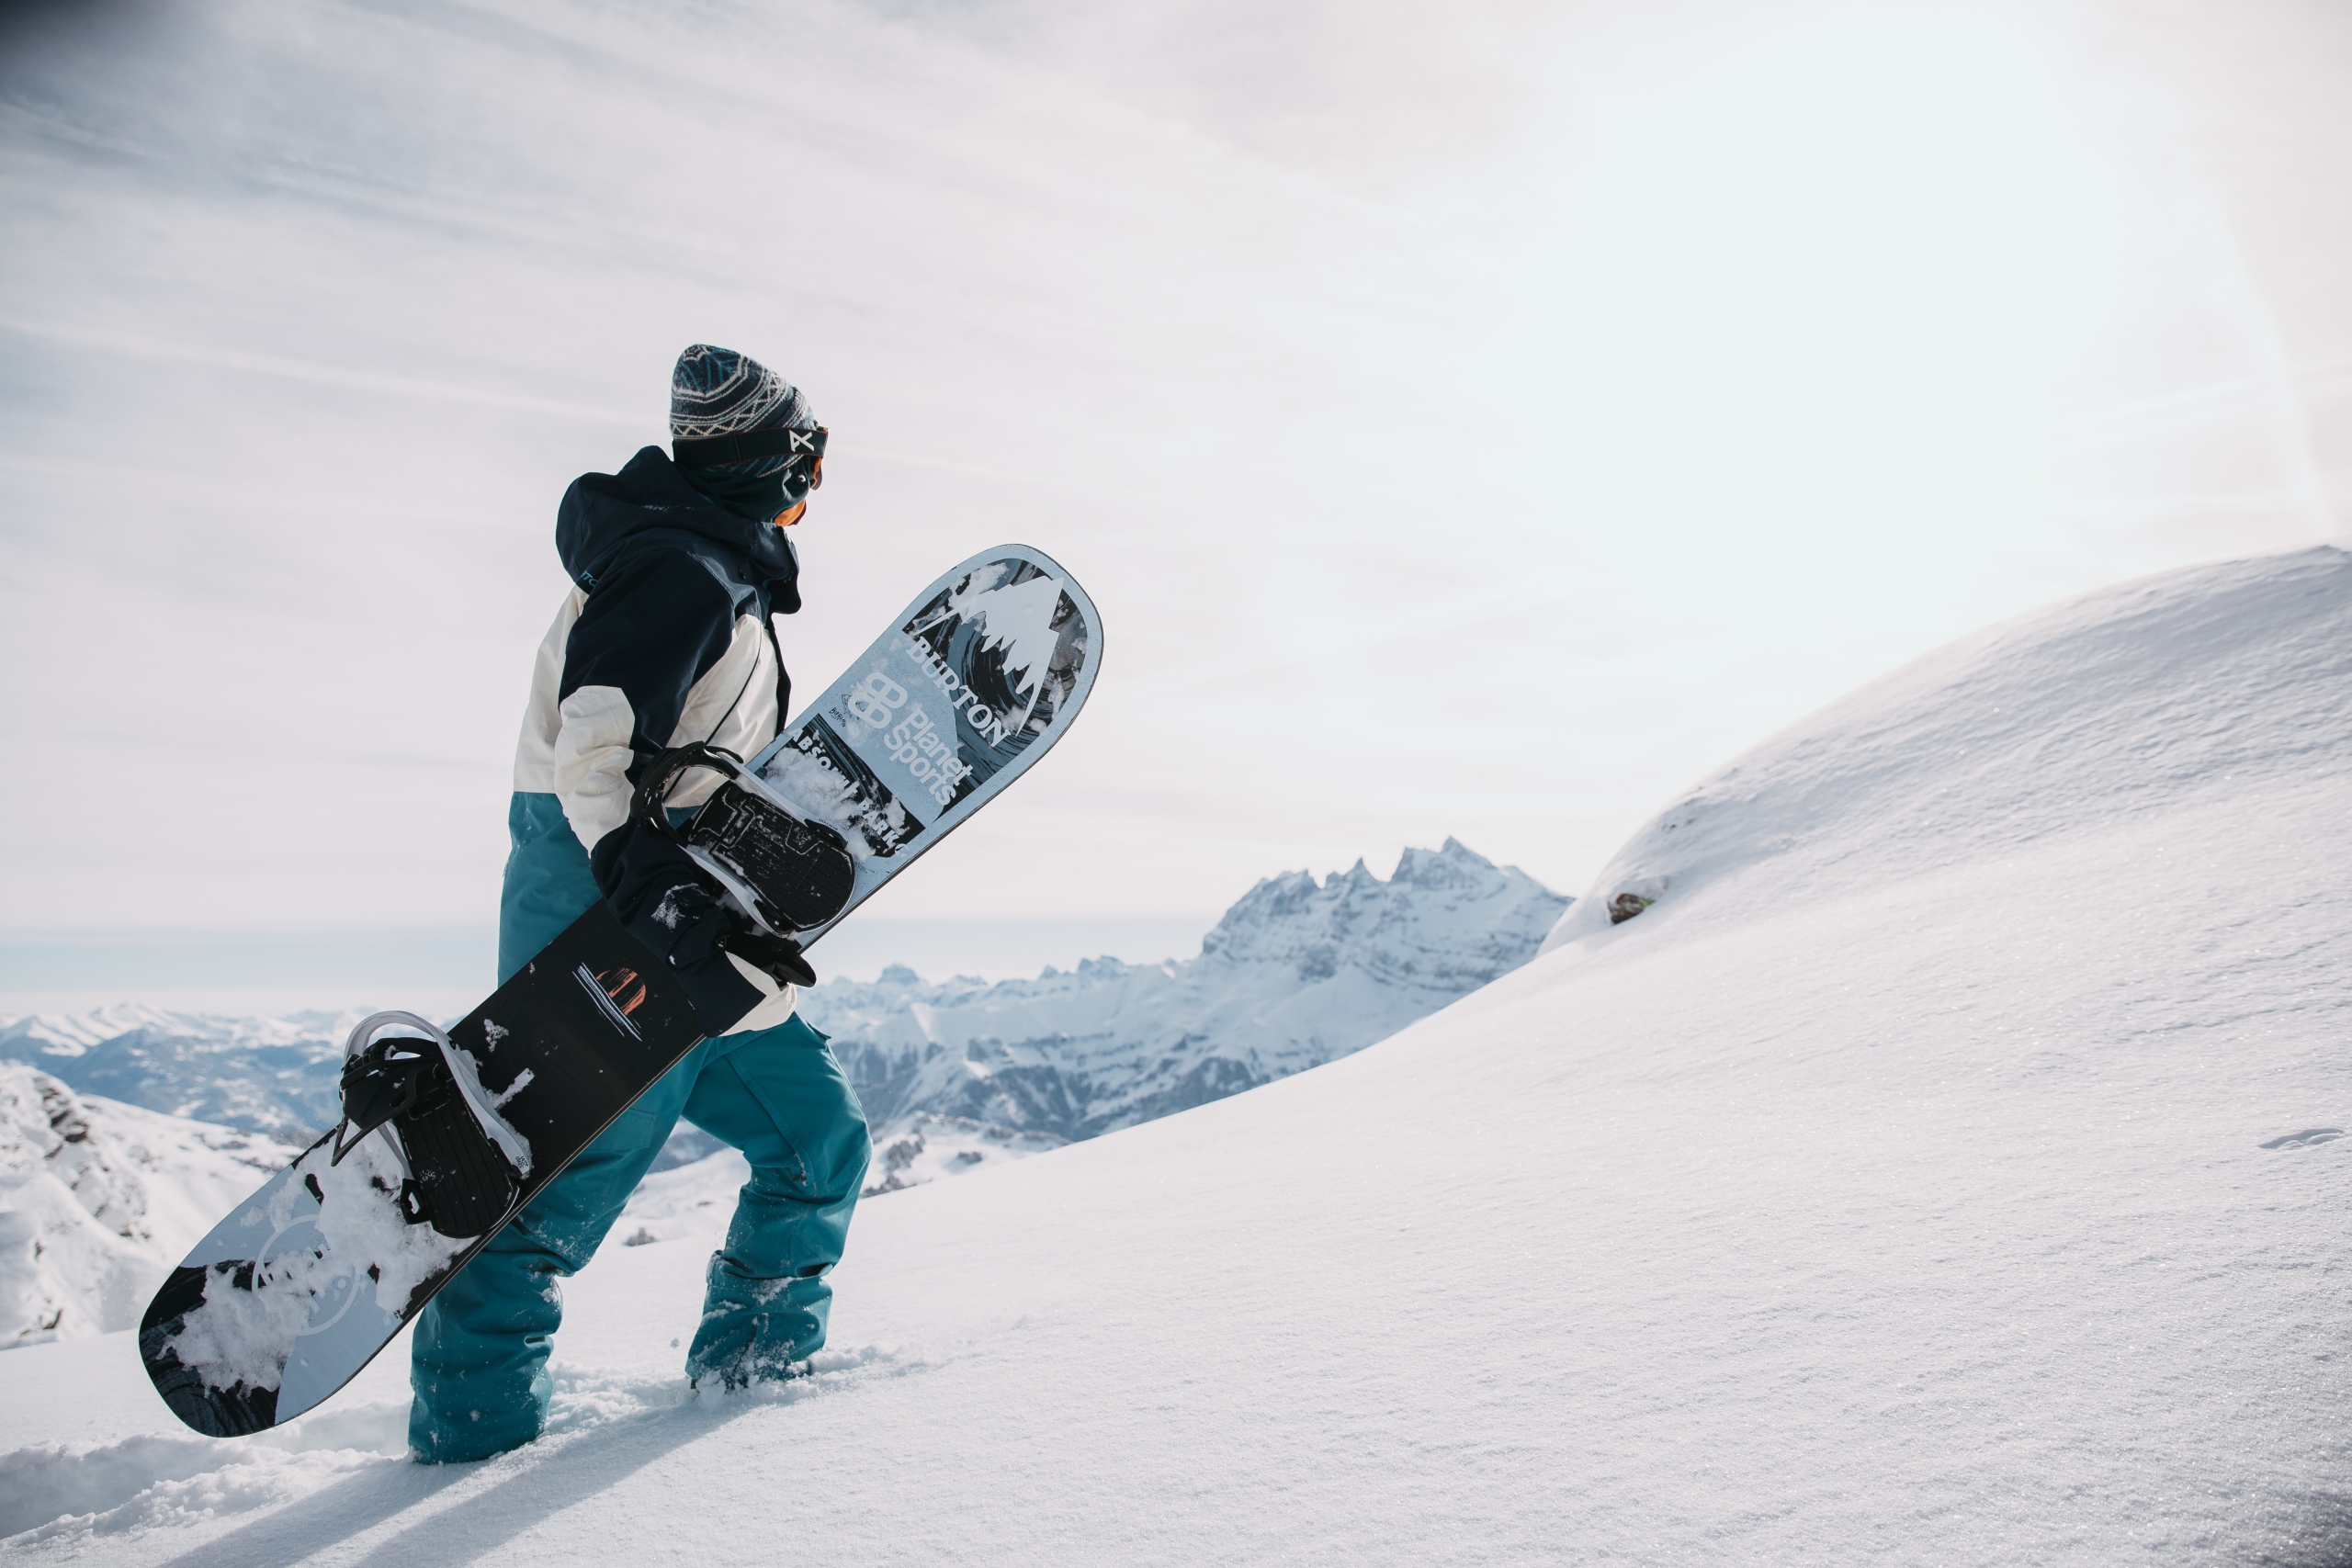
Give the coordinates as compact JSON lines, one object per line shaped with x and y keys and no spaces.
{"x":1944,"y":1168}
{"x":2177,"y":693}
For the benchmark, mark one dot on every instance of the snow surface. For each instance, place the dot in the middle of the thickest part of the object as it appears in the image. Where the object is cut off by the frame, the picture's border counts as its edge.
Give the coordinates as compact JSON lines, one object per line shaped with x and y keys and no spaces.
{"x":1942,"y":1171}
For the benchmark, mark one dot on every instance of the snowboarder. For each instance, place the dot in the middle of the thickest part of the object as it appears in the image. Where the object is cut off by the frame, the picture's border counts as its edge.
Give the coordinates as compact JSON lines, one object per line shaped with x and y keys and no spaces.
{"x":678,"y":563}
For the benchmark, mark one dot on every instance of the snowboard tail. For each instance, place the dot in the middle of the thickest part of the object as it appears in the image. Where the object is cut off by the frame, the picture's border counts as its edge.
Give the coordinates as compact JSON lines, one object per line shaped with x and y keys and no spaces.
{"x":237,"y":1411}
{"x":287,"y":1299}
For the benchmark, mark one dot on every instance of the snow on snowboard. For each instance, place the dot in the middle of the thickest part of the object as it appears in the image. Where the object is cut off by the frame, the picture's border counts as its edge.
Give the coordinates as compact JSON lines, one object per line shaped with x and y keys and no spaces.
{"x":448,"y":1134}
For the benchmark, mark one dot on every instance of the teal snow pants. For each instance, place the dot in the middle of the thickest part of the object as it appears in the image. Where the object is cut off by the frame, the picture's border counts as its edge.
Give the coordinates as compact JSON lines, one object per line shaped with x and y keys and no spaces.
{"x":478,"y":1359}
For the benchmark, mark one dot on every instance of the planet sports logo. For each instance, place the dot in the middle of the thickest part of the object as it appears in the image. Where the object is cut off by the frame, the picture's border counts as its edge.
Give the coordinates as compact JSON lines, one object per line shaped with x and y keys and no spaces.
{"x":913,"y":740}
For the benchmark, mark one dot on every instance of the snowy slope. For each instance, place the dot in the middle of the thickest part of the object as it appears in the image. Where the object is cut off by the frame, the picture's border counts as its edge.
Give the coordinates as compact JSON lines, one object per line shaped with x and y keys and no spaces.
{"x":1940,"y":1171}
{"x":98,"y":1200}
{"x":2074,"y":722}
{"x":1297,"y":973}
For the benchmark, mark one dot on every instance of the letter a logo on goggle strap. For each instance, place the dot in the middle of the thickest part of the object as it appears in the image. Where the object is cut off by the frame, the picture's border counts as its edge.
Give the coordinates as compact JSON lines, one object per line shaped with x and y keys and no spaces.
{"x":717,"y":451}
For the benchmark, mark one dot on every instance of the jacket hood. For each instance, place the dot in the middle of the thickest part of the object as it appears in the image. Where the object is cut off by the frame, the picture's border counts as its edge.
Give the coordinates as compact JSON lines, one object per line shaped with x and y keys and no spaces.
{"x":601,"y":513}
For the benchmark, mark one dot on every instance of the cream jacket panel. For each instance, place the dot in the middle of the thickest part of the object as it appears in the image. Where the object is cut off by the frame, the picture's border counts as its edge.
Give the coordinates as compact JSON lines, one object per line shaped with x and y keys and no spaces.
{"x":591,"y":758}
{"x":578,"y":749}
{"x":535,"y":751}
{"x":733,"y":705}
{"x":776,"y":1001}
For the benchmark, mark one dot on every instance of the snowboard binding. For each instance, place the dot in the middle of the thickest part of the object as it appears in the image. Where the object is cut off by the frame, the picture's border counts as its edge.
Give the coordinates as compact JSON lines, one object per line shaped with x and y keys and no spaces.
{"x":461,"y":1178}
{"x":789,"y":874}
{"x":383,"y":1081}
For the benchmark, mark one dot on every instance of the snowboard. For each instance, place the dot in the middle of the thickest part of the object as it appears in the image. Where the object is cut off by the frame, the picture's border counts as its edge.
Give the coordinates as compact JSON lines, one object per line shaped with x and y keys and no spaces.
{"x":288,"y":1298}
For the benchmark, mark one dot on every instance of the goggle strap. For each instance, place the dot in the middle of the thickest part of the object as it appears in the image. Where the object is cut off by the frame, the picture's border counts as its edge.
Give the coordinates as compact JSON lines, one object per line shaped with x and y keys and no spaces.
{"x":747,"y":445}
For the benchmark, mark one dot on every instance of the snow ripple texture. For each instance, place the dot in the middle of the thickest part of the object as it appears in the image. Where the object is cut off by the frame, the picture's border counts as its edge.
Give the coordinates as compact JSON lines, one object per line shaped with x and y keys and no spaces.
{"x":84,"y":1498}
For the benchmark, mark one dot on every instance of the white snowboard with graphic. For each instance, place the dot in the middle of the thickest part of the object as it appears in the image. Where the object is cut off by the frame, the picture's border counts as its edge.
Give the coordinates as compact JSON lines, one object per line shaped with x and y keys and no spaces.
{"x":969,"y":686}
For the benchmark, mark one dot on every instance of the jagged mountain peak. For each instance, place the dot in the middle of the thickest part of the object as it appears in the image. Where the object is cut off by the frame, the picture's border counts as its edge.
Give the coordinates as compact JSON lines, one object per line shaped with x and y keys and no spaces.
{"x":1299,"y":971}
{"x":1395,"y":927}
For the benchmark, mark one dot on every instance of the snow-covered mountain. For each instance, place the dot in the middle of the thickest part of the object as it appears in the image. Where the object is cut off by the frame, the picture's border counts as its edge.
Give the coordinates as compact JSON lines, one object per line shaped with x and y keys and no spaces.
{"x":678,"y":1199}
{"x":1298,"y":972}
{"x":957,"y":1077}
{"x":961,"y":1075}
{"x":98,"y":1200}
{"x":263,"y":1075}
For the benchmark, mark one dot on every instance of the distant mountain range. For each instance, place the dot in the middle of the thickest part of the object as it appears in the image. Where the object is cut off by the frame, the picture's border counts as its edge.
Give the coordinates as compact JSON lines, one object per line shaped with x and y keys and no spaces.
{"x":958,"y":1074}
{"x":1296,"y":974}
{"x":264,"y":1074}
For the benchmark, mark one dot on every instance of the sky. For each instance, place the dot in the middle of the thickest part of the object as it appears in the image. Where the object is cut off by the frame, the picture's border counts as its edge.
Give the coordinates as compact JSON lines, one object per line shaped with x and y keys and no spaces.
{"x":1479,"y":422}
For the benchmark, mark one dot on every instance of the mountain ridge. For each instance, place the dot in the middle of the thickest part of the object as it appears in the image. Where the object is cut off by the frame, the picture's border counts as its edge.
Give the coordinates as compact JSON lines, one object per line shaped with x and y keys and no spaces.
{"x":1297,"y":973}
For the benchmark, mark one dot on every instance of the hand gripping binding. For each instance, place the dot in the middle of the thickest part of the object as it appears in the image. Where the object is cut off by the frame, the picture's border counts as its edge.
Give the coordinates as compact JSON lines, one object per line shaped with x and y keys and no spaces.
{"x":791,"y":875}
{"x":779,"y":956}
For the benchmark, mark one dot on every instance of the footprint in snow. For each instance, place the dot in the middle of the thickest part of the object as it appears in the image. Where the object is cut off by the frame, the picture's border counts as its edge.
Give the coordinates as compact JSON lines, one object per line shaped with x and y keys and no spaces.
{"x":2306,"y":1138}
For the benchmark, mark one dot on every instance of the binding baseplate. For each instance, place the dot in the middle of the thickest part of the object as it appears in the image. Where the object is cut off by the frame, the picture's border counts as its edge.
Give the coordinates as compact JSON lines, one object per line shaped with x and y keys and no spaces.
{"x":789,"y":874}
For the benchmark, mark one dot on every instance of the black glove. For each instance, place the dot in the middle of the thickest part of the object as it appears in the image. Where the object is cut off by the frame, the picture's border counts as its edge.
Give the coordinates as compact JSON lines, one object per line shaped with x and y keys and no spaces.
{"x":668,"y":903}
{"x":778,"y":957}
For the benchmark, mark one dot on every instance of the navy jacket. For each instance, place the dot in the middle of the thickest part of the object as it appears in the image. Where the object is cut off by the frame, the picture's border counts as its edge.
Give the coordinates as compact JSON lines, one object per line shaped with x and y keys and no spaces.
{"x":665,"y":640}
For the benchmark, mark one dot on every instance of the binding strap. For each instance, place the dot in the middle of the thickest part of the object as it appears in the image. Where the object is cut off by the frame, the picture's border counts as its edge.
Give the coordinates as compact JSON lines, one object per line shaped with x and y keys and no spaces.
{"x":652,"y":793}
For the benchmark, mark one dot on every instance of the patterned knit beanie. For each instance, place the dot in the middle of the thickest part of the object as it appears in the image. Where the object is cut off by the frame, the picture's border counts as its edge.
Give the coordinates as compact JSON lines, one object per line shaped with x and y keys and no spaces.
{"x":731,"y":413}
